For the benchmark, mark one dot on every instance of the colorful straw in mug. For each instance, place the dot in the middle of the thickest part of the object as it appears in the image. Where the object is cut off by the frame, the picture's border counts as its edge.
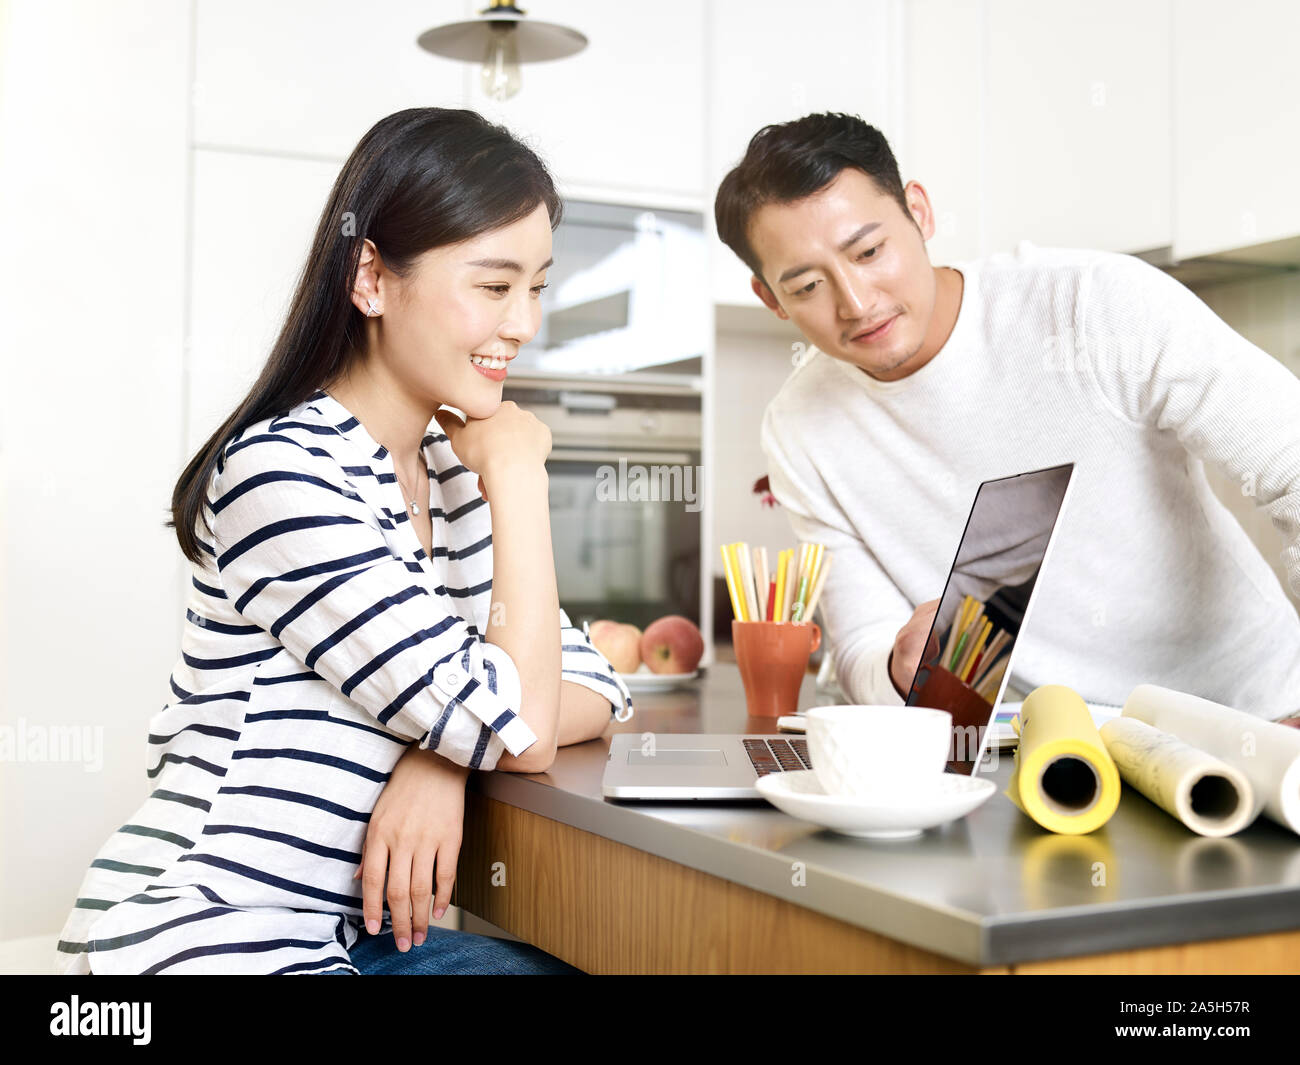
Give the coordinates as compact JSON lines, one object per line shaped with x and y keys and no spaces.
{"x":972,"y":650}
{"x":788,"y":593}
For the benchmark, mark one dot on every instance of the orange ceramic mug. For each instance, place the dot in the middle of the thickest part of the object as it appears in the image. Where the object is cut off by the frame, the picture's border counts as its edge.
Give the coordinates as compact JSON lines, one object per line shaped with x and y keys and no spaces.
{"x":773,"y":658}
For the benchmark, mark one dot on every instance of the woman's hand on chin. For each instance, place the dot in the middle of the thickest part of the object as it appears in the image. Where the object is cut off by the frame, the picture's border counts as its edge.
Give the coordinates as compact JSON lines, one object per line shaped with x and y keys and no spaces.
{"x":414,"y":830}
{"x":513,"y":442}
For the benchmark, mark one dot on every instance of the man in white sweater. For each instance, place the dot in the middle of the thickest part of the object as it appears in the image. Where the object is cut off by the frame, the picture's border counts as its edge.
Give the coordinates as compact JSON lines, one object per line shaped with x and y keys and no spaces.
{"x":924,"y":381}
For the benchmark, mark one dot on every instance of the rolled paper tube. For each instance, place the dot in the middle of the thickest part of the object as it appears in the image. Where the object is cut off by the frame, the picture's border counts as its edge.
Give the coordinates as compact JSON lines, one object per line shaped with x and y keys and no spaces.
{"x":1206,"y":794}
{"x":1063,"y":778}
{"x":1268,"y":754}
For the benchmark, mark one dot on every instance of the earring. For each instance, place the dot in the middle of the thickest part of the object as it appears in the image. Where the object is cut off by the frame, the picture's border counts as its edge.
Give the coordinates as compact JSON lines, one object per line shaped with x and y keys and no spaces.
{"x":373,"y":309}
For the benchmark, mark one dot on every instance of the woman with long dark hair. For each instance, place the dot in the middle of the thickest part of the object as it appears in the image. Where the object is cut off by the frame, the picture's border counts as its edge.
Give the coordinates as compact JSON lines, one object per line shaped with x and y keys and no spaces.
{"x":374,"y":607}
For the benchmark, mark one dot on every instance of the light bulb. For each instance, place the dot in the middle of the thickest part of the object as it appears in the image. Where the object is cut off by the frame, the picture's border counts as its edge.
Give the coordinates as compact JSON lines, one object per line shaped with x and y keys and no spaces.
{"x":500,"y":71}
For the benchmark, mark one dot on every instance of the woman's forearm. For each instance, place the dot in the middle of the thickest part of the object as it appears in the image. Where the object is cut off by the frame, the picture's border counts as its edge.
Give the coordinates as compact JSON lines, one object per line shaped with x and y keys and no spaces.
{"x":584,"y":714}
{"x":524,"y":619}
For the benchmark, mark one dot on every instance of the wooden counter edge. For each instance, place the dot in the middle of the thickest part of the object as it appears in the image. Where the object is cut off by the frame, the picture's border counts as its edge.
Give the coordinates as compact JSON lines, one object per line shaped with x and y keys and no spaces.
{"x":606,"y":907}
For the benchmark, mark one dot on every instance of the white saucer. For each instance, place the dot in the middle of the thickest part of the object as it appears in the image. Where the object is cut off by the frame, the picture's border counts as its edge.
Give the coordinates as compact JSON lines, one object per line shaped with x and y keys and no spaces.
{"x":645,"y":681}
{"x":799,"y":793}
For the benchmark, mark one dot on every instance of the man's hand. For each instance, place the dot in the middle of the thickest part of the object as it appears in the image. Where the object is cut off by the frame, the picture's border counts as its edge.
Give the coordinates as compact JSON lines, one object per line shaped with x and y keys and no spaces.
{"x":416,"y":826}
{"x":909,"y":646}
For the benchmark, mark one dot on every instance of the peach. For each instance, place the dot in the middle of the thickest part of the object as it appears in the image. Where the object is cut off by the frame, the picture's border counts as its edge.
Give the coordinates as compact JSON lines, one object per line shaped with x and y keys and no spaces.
{"x":672,"y":645}
{"x":620,"y":643}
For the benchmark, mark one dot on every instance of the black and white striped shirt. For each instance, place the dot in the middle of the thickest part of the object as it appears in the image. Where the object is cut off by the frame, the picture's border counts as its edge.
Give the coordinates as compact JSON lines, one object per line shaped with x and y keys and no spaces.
{"x":320,"y":642}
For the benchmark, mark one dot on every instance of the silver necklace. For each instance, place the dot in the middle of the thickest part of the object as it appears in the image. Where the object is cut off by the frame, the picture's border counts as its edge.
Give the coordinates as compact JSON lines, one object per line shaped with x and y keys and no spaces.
{"x":412,"y":505}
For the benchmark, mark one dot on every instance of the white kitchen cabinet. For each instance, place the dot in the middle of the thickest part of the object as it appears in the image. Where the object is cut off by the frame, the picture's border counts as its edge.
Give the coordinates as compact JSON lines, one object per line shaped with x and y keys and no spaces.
{"x":622,"y":120}
{"x":944,"y":101}
{"x":765,"y":66}
{"x":254,"y":218}
{"x":309,"y":77}
{"x":1237,"y":124}
{"x":1046,"y":122}
{"x":1077,"y":150}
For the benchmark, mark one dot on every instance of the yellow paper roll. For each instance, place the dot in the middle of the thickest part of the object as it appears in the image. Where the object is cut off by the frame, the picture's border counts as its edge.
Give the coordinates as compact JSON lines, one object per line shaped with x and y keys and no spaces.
{"x":1063,"y":778}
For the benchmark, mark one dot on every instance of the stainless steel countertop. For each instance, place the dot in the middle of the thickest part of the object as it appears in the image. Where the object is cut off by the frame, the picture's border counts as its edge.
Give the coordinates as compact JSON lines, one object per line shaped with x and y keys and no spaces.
{"x":990,"y":889}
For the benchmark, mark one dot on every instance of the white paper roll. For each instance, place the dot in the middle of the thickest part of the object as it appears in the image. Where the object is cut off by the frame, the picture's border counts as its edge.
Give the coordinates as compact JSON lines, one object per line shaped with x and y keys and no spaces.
{"x":1266,"y":752}
{"x":1205,"y":793}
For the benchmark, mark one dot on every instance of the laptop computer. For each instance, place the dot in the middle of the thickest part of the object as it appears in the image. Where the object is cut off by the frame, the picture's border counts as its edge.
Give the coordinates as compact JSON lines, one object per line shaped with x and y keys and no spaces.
{"x":964,"y":669}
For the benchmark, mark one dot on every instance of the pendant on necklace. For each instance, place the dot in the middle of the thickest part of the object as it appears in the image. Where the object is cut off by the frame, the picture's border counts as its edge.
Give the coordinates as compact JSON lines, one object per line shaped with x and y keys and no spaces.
{"x":415,"y":509}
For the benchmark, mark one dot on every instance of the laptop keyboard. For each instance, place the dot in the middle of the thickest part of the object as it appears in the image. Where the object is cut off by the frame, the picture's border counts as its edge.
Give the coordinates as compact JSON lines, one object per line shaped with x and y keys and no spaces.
{"x":777,"y":755}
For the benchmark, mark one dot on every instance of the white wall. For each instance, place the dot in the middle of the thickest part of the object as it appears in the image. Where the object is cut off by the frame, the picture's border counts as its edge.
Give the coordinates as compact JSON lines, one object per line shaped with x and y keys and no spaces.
{"x":93,"y":123}
{"x":1236,"y":116}
{"x":1051,"y":122}
{"x":752,"y":360}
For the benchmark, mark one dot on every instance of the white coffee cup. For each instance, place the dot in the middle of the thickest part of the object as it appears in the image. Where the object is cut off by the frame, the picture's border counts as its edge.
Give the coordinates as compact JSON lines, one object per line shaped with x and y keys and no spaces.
{"x":878,"y":751}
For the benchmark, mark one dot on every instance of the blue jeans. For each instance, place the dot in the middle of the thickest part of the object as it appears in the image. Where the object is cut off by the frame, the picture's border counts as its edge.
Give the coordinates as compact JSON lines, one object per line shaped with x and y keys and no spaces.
{"x":446,"y":952}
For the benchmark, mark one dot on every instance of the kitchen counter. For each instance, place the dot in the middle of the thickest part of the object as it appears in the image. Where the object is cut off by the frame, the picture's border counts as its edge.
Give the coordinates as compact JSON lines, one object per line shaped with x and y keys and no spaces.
{"x":987,"y":890}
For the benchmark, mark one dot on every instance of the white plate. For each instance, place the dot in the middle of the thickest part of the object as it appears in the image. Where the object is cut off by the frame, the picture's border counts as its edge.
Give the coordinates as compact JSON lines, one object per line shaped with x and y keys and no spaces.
{"x":645,"y":681}
{"x":800,"y":794}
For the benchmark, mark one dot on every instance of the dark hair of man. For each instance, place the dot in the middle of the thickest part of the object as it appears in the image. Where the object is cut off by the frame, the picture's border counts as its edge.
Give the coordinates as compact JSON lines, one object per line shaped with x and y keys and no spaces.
{"x":790,"y":161}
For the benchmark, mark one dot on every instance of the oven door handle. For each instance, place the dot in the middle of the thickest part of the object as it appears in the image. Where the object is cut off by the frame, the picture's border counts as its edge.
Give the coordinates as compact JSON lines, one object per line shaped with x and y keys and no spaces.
{"x":570,"y":454}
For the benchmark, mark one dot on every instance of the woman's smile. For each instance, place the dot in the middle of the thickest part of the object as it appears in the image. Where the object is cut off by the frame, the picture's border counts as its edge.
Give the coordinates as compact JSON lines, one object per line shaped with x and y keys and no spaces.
{"x":491,"y":367}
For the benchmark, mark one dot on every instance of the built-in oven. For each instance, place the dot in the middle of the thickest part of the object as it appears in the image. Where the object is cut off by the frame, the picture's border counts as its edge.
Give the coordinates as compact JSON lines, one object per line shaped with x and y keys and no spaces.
{"x":628,"y":295}
{"x":626,"y":497}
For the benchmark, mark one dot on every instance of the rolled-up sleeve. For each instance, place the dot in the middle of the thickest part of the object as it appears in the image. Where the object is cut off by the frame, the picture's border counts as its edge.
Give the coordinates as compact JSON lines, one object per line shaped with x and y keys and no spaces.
{"x":300,"y":554}
{"x":581,"y":663}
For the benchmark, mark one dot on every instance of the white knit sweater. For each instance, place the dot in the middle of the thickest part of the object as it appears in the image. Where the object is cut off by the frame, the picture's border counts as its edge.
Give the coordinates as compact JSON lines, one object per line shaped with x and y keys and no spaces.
{"x":1062,"y":356}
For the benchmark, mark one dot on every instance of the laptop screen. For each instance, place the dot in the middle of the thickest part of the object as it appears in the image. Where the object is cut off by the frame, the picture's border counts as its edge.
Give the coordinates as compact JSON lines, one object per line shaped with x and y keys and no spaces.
{"x":966,"y":663}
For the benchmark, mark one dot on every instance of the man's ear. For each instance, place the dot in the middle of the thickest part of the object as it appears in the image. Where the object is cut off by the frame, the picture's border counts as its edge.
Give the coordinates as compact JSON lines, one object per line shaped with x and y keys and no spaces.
{"x":765,"y":294}
{"x":366,"y":287}
{"x":919,"y":206}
